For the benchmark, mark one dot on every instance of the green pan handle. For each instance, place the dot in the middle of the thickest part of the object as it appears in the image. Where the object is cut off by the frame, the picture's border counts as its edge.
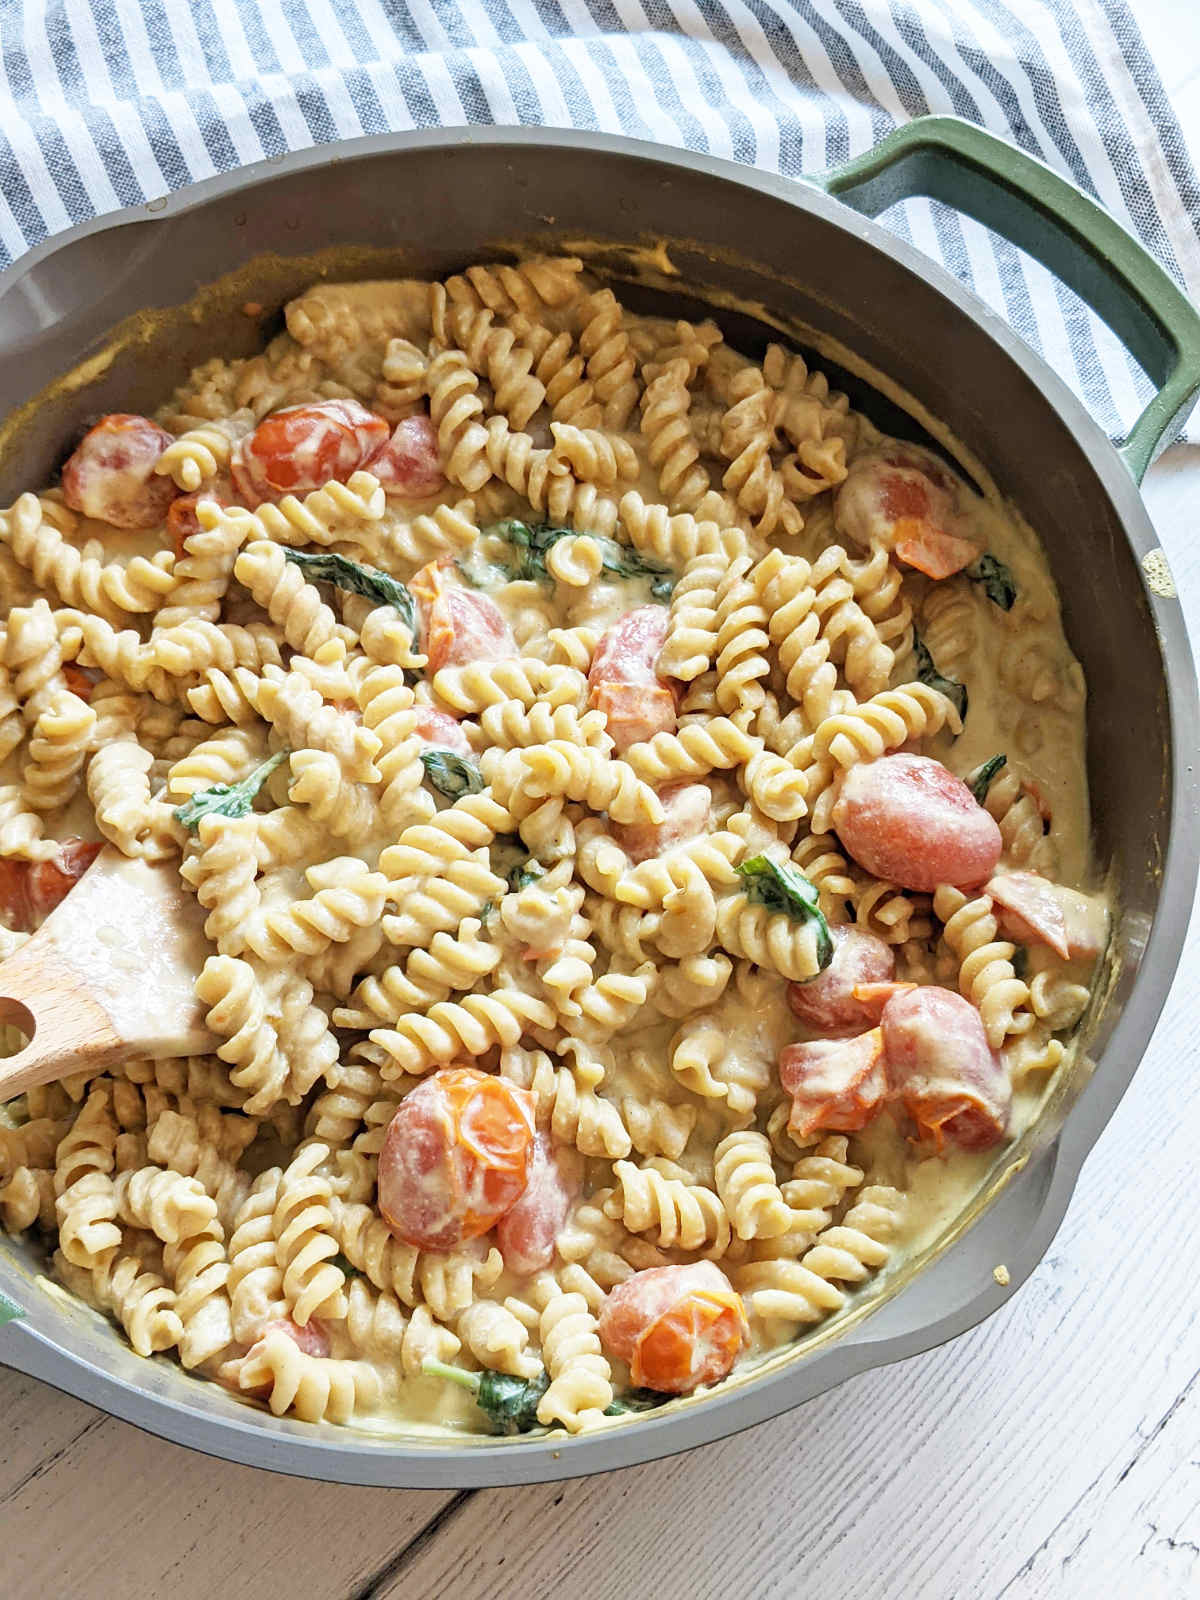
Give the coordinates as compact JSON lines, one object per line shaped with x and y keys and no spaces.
{"x":1060,"y":226}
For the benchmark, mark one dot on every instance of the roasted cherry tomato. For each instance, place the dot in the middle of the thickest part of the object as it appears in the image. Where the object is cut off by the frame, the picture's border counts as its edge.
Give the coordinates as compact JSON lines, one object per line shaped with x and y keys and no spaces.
{"x":903,"y":497}
{"x":111,"y":474}
{"x":835,"y":1084}
{"x":623,"y":682}
{"x":312,"y":1340}
{"x":1035,"y":911}
{"x":688,"y":807}
{"x":675,"y":1327}
{"x":441,"y":731}
{"x":410,"y":465}
{"x":527,"y":1232}
{"x":455,"y":1158}
{"x":182,"y":521}
{"x":302,"y":448}
{"x":81,"y":680}
{"x":30,"y":890}
{"x":940,"y":1066}
{"x":458,"y":625}
{"x":828,"y":1003}
{"x":909,"y":821}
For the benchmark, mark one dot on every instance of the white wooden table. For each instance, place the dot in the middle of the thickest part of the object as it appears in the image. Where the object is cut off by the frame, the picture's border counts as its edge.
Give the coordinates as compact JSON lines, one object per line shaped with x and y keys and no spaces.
{"x":1054,"y":1451}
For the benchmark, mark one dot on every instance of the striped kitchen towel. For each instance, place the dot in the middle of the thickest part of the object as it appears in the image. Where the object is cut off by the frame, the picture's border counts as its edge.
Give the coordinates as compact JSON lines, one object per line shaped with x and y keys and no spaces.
{"x":114,"y":102}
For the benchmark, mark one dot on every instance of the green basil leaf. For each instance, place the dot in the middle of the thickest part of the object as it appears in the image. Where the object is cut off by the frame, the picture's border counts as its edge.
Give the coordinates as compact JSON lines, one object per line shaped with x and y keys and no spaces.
{"x":451,"y":774}
{"x":520,"y":877}
{"x":326,"y":567}
{"x":510,"y":1404}
{"x":928,"y":674}
{"x":637,"y":1400}
{"x":997,"y":580}
{"x":227,"y":799}
{"x":980,"y":781}
{"x":533,"y":541}
{"x":780,"y":886}
{"x":1020,"y":961}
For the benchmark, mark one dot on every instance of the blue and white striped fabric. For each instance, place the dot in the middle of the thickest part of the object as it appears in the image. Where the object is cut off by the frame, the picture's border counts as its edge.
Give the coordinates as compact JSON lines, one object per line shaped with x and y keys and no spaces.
{"x":114,"y":102}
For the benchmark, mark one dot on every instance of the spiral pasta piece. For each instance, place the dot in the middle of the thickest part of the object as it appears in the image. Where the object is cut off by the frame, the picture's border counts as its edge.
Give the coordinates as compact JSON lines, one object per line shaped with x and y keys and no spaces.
{"x":303,"y":1228}
{"x":985,"y":974}
{"x":747,"y":437}
{"x":33,"y":527}
{"x":58,"y":746}
{"x":139,"y":1299}
{"x":315,"y":1388}
{"x":745,"y":1180}
{"x":659,"y":1199}
{"x":742,"y":637}
{"x":202,"y":452}
{"x":447,"y":1030}
{"x":580,"y":1389}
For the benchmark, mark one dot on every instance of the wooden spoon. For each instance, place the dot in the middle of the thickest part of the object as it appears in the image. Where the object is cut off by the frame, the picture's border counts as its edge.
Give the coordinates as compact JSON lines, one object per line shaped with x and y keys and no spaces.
{"x":108,"y":975}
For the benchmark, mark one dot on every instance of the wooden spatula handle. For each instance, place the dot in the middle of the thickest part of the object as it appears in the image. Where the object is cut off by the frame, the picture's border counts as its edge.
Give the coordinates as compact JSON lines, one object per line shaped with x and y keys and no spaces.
{"x":67,"y":1029}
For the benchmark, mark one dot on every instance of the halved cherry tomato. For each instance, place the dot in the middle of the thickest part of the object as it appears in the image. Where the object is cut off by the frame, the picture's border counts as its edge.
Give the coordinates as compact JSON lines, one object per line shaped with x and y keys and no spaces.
{"x":675,"y":1327}
{"x":441,"y":731}
{"x":410,"y":464}
{"x":30,"y":890}
{"x":623,"y":680}
{"x":302,"y":448}
{"x":830,"y":1003}
{"x":835,"y":1084}
{"x":929,"y":550}
{"x":458,"y":625}
{"x":910,"y":821}
{"x":904,"y":498}
{"x":1035,"y":911}
{"x":940,"y":1066}
{"x":688,"y":807}
{"x":526,"y":1233}
{"x":111,"y":474}
{"x":455,"y":1158}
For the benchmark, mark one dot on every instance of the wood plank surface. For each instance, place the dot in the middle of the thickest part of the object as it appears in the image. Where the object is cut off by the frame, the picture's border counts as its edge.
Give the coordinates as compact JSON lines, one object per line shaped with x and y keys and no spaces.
{"x":1052,"y":1452}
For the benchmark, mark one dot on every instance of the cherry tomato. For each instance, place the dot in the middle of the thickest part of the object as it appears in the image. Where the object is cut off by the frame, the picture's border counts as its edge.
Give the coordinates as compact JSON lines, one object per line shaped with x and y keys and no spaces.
{"x":410,"y":465}
{"x":904,"y":498}
{"x":827,"y":1003}
{"x":302,"y":448}
{"x":527,"y":1232}
{"x":940,"y":1066}
{"x":312,"y":1340}
{"x":111,"y":474}
{"x":455,"y":1158}
{"x":623,"y":681}
{"x":458,"y":625}
{"x":1035,"y":911}
{"x":909,"y":821}
{"x":30,"y":890}
{"x":835,"y":1084}
{"x":688,"y":807}
{"x":81,"y":680}
{"x":675,"y":1327}
{"x":441,"y":731}
{"x":182,"y":521}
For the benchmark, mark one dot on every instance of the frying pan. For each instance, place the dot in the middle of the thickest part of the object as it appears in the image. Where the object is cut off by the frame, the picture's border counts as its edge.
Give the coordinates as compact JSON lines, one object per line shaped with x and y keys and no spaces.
{"x":801,"y":256}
